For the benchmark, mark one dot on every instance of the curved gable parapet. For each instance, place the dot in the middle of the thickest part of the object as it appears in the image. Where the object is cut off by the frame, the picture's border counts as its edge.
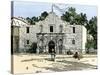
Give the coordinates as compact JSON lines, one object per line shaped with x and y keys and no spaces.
{"x":53,"y":18}
{"x":13,"y":22}
{"x":19,"y":22}
{"x":20,"y":19}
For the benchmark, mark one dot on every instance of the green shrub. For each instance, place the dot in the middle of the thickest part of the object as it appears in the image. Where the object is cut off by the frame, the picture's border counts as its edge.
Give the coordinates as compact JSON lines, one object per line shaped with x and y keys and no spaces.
{"x":69,"y":52}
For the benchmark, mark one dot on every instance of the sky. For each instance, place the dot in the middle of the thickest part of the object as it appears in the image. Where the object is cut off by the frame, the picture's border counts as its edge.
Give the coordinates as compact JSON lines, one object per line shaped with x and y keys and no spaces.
{"x":29,"y":9}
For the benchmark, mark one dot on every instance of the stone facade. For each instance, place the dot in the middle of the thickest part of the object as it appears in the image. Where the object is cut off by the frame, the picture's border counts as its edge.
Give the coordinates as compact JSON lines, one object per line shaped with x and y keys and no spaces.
{"x":51,"y":33}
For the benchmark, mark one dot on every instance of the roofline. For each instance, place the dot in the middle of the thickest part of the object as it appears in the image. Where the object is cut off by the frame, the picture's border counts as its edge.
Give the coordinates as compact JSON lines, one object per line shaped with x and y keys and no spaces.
{"x":19,"y":19}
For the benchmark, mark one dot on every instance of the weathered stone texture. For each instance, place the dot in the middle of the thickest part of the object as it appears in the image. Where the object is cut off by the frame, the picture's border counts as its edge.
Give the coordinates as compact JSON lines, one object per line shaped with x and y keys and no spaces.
{"x":41,"y":34}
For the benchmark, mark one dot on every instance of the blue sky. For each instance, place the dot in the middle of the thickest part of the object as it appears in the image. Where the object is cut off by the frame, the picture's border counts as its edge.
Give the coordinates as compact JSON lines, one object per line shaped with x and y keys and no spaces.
{"x":29,"y":9}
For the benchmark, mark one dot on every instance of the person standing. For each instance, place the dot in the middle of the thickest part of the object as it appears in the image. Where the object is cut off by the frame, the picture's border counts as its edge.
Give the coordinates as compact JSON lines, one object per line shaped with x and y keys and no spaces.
{"x":53,"y":55}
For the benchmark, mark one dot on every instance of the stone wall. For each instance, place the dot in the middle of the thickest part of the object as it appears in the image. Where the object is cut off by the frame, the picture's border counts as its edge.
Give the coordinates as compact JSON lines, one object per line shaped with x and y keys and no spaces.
{"x":51,"y":20}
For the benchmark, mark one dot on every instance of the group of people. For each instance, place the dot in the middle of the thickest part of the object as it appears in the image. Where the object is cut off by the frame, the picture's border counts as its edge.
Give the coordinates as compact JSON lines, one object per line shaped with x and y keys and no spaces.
{"x":53,"y":55}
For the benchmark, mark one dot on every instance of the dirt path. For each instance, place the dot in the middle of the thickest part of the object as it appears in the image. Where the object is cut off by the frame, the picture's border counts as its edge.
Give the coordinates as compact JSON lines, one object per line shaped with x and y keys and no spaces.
{"x":42,"y":63}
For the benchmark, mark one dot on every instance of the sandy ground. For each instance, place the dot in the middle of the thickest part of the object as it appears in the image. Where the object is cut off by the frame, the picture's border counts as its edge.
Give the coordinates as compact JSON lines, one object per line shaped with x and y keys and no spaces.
{"x":41,"y":63}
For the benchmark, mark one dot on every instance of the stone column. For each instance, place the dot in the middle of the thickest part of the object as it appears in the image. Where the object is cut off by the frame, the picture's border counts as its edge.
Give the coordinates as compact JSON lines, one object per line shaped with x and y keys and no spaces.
{"x":47,"y":49}
{"x":83,"y":51}
{"x":57,"y":50}
{"x":37,"y":51}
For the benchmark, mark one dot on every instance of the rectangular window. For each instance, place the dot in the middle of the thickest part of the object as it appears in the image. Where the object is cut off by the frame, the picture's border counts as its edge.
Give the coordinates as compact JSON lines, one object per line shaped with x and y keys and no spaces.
{"x":27,"y":41}
{"x":73,"y":29}
{"x":27,"y":29}
{"x":73,"y":41}
{"x":51,"y":28}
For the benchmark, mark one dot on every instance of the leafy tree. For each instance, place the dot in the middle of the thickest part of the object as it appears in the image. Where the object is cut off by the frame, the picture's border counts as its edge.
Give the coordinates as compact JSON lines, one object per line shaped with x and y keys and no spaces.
{"x":65,"y":17}
{"x":29,"y":20}
{"x":93,"y":30}
{"x":35,"y":19}
{"x":72,"y":17}
{"x":43,"y":15}
{"x":81,"y":19}
{"x":69,"y":15}
{"x":89,"y":45}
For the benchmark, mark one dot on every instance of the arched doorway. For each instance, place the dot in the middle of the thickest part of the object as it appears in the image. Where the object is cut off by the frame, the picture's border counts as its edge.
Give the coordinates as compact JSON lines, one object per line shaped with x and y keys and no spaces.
{"x":51,"y":45}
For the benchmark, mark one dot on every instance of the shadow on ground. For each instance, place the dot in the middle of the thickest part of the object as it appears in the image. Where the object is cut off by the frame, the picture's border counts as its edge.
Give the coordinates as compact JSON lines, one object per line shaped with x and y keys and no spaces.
{"x":67,"y":66}
{"x":47,"y":59}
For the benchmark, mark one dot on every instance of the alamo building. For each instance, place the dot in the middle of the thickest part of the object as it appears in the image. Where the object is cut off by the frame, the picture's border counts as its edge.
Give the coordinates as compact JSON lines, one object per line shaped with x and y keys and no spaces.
{"x":51,"y":33}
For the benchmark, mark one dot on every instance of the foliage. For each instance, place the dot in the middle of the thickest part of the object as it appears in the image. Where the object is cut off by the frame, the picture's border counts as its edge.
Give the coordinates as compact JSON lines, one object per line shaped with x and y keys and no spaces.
{"x":34,"y":19}
{"x":92,"y":29}
{"x":43,"y":15}
{"x":29,"y":20}
{"x":74,"y":18}
{"x":69,"y":52}
{"x":81,"y":19}
{"x":89,"y":44}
